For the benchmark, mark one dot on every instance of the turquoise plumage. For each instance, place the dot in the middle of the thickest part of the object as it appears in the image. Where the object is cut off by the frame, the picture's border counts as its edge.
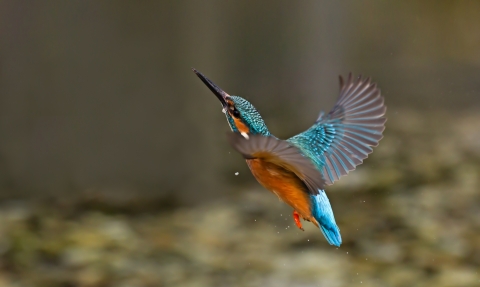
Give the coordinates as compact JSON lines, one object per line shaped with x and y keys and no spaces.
{"x":252,"y":117}
{"x":341,"y":140}
{"x":298,"y":169}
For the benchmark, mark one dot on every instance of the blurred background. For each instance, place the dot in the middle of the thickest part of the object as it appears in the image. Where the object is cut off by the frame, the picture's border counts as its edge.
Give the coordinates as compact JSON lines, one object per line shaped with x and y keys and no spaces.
{"x":115,"y":170}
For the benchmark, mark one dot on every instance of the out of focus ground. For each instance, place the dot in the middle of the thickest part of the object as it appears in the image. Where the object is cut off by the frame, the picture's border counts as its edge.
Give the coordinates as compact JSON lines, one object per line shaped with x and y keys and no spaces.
{"x":410,"y":216}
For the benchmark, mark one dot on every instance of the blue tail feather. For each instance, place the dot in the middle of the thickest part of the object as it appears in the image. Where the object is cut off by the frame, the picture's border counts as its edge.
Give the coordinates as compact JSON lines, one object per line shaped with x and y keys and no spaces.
{"x":322,"y":211}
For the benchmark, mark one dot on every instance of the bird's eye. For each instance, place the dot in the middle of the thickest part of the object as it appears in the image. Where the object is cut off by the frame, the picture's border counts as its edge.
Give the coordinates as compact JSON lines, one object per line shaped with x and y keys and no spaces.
{"x":236,"y":113}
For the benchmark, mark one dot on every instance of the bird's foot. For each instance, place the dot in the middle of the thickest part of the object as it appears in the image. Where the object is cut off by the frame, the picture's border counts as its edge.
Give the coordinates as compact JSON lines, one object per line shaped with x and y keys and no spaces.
{"x":296,"y":217}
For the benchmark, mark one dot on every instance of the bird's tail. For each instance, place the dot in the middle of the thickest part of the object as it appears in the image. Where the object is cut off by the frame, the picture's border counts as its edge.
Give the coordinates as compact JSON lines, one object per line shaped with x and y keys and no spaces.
{"x":322,"y":211}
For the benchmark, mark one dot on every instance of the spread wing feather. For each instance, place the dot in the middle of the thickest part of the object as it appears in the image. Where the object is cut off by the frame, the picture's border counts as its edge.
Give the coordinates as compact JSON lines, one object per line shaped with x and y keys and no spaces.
{"x":342,"y":139}
{"x":281,"y":153}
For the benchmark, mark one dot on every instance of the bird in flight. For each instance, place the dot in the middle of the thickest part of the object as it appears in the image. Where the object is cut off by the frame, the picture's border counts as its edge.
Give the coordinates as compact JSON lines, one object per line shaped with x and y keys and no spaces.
{"x":298,"y":169}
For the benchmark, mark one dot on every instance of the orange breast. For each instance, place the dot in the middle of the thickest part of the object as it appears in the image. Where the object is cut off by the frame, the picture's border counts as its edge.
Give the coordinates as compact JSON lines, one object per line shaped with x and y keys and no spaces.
{"x":285,"y":184}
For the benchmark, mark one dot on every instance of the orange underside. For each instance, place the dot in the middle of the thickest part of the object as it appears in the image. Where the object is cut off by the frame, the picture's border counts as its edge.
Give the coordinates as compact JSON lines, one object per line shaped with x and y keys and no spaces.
{"x":285,"y":184}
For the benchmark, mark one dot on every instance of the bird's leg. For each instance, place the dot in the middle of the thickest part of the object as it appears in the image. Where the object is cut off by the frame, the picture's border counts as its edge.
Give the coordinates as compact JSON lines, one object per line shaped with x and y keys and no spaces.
{"x":296,"y":217}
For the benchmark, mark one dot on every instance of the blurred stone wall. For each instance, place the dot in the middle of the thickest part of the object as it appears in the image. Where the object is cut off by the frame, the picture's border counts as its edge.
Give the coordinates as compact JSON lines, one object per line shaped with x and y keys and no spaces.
{"x":99,"y":96}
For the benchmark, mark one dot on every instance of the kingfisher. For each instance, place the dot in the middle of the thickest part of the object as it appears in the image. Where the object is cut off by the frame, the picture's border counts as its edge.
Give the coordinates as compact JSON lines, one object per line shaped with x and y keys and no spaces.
{"x":298,"y":169}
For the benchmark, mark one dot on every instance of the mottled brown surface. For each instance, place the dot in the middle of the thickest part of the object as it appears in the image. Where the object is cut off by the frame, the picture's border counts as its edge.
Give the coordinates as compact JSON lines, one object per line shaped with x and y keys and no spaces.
{"x":409,"y":217}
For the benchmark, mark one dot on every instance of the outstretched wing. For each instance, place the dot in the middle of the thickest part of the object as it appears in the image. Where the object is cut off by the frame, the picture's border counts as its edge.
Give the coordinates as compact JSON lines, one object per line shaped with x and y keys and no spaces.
{"x":280,"y":153}
{"x":341,"y":140}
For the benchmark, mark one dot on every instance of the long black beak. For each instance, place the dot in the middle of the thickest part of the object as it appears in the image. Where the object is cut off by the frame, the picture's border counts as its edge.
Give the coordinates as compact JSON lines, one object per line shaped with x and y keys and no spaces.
{"x":221,"y":95}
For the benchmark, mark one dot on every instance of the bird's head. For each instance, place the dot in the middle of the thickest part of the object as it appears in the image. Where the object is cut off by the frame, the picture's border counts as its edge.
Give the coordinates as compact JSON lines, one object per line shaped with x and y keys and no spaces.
{"x":241,"y":115}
